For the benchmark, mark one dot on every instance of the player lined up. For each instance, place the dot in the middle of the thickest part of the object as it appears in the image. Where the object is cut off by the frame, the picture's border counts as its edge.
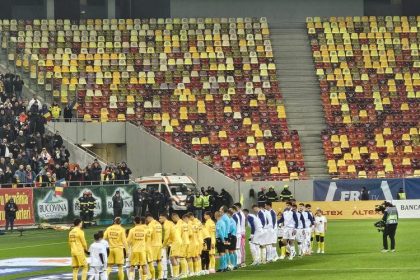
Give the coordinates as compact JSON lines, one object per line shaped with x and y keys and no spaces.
{"x":182,"y":246}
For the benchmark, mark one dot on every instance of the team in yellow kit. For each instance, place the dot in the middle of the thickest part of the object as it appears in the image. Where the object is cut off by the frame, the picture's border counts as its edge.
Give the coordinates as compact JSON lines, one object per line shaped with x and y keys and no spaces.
{"x":116,"y":237}
{"x":136,"y":240}
{"x":78,"y":248}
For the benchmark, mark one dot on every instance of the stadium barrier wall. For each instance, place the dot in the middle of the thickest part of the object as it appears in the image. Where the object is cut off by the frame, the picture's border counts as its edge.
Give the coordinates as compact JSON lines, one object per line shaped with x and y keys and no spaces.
{"x":51,"y":207}
{"x":24,"y":201}
{"x":408,"y":208}
{"x":379,"y":189}
{"x":344,"y":210}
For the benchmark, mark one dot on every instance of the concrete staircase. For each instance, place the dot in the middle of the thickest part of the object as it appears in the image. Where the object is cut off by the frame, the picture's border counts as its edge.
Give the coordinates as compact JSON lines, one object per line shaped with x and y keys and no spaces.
{"x":300,"y":89}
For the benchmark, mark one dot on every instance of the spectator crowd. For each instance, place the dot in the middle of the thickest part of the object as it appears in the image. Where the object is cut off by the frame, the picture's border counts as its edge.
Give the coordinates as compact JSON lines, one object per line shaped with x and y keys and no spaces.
{"x":29,"y":156}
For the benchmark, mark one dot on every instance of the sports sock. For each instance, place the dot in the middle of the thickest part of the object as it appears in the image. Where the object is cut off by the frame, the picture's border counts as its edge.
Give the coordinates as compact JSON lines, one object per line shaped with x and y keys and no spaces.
{"x":283,"y":251}
{"x":84,"y":272}
{"x":190,"y":266}
{"x":274,"y":252}
{"x":120,"y":273}
{"x":212,"y":264}
{"x":175,"y":271}
{"x":235,"y":259}
{"x":131,"y":275}
{"x":152,"y":270}
{"x":75,"y":273}
{"x":263,"y":254}
{"x":238,"y":256}
{"x":322,"y":246}
{"x":196,"y":268}
{"x":184,"y":266}
{"x":200,"y":264}
{"x":159,"y":271}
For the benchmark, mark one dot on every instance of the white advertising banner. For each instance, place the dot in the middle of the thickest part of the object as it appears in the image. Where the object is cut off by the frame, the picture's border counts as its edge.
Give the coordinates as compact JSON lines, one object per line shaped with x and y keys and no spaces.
{"x":408,"y":208}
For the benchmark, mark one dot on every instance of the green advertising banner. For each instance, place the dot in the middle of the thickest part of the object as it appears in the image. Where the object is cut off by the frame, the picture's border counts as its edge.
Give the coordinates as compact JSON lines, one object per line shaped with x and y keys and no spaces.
{"x":64,"y":208}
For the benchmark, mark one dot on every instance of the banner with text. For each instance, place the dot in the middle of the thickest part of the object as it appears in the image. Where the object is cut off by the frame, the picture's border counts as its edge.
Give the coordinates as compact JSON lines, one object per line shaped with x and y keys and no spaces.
{"x":412,"y":188}
{"x":350,"y":190}
{"x":24,"y":200}
{"x":346,"y":210}
{"x":408,"y":208}
{"x":50,"y":207}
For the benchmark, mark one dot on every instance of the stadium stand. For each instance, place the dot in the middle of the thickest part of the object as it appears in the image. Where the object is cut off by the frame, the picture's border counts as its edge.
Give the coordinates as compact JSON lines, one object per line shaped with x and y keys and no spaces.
{"x":207,"y":86}
{"x":368,"y":70}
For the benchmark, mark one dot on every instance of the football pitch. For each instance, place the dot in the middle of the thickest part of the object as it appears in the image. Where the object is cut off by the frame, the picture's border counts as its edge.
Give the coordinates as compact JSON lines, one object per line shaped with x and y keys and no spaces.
{"x":352,"y":252}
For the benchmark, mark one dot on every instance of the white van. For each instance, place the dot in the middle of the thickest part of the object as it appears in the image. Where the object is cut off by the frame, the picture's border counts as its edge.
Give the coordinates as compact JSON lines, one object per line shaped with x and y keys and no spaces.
{"x":174,"y":186}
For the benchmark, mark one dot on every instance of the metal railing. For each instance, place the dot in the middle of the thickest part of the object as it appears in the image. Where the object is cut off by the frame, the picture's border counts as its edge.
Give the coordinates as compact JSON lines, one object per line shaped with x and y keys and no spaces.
{"x":67,"y":183}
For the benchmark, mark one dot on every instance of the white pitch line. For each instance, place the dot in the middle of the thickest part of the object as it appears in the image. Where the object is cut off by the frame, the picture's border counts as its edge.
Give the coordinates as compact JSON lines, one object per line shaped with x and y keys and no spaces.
{"x":31,"y":246}
{"x":333,"y":269}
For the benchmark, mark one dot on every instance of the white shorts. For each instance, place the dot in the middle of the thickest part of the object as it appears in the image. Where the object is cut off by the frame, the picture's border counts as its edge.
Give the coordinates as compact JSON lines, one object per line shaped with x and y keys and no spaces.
{"x":258,"y":237}
{"x":280,"y":232}
{"x":273,"y":236}
{"x":289,"y":233}
{"x":300,"y":234}
{"x":308,"y":234}
{"x":267,"y":236}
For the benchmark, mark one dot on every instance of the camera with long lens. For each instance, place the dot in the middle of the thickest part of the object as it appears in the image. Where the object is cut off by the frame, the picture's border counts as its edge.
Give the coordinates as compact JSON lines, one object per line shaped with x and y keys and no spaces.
{"x":379,"y":225}
{"x":380,"y":208}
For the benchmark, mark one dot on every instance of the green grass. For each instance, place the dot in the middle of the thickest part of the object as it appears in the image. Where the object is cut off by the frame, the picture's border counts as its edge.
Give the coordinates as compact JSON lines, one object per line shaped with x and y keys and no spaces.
{"x":352,"y":252}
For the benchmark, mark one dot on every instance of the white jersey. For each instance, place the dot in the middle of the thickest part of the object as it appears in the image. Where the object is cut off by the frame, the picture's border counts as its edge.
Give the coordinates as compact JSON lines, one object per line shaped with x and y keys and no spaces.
{"x":289,"y":219}
{"x":238,"y":221}
{"x":307,"y":216}
{"x":243,"y":221}
{"x":268,"y":219}
{"x":300,"y":220}
{"x":105,"y":243}
{"x":320,"y":222}
{"x":95,"y":250}
{"x":254,"y":223}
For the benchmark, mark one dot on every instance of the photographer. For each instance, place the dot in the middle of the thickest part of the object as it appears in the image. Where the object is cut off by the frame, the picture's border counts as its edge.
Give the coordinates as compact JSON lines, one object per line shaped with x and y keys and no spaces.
{"x":390,"y":219}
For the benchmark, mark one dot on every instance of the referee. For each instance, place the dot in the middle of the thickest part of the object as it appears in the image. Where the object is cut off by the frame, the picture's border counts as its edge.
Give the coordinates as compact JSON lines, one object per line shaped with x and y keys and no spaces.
{"x":391,"y":222}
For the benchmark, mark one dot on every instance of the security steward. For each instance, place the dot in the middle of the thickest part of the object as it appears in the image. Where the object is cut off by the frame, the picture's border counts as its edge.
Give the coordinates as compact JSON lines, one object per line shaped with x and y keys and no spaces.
{"x":91,"y":207}
{"x":286,"y":194}
{"x":401,"y":194}
{"x":206,"y":201}
{"x":198,"y":206}
{"x":84,"y":208}
{"x":271,"y":195}
{"x":262,"y":198}
{"x":391,"y":222}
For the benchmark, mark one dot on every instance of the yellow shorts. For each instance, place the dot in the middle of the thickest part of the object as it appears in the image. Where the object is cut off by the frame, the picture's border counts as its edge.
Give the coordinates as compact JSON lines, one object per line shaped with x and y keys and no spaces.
{"x":322,"y":234}
{"x":192,"y":251}
{"x":177,"y":250}
{"x":78,"y":261}
{"x":200,"y":248}
{"x":116,"y":256}
{"x":155,"y":254}
{"x":138,"y":258}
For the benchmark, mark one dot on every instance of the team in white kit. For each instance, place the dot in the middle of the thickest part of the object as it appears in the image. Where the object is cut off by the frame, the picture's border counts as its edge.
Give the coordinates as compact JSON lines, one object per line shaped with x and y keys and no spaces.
{"x":294,"y":229}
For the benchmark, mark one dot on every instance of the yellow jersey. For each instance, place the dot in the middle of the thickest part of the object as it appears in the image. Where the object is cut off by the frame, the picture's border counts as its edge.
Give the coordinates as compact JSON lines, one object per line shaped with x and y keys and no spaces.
{"x":137,"y":238}
{"x":156,"y":233}
{"x":211,"y":228}
{"x":77,"y":241}
{"x":176,"y":234}
{"x":168,"y":228}
{"x":115,"y":235}
{"x":185,"y":232}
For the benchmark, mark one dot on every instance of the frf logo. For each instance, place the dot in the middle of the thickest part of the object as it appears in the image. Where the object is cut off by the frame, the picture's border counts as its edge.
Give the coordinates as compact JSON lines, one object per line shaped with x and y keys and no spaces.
{"x":350,"y":195}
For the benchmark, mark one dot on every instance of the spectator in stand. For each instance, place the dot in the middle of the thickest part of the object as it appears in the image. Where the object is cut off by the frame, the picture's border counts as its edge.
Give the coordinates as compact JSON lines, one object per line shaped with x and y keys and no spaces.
{"x":20,"y":175}
{"x":8,"y":176}
{"x":57,"y":140}
{"x":109,"y":175}
{"x":68,"y":112}
{"x":123,"y":173}
{"x":44,"y":156}
{"x":30,"y":175}
{"x":18,"y":86}
{"x":55,"y":112}
{"x":76,"y":176}
{"x":95,"y":172}
{"x":34,"y":101}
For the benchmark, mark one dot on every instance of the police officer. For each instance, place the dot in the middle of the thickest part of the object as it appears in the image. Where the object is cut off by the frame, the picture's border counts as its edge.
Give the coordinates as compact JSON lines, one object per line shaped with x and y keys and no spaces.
{"x":401,"y":194}
{"x":10,"y":210}
{"x":198,"y":206}
{"x":160,"y":203}
{"x":84,"y":208}
{"x":271,"y":195}
{"x":391,"y":222}
{"x":91,"y":207}
{"x":139,"y":202}
{"x":286,"y":194}
{"x":117,"y":204}
{"x":190,"y":201}
{"x":262,"y":198}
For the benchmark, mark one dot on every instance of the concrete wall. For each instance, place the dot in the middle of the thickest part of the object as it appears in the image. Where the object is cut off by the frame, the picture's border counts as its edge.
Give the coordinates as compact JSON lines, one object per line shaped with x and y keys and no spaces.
{"x":95,"y":133}
{"x":274,"y":10}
